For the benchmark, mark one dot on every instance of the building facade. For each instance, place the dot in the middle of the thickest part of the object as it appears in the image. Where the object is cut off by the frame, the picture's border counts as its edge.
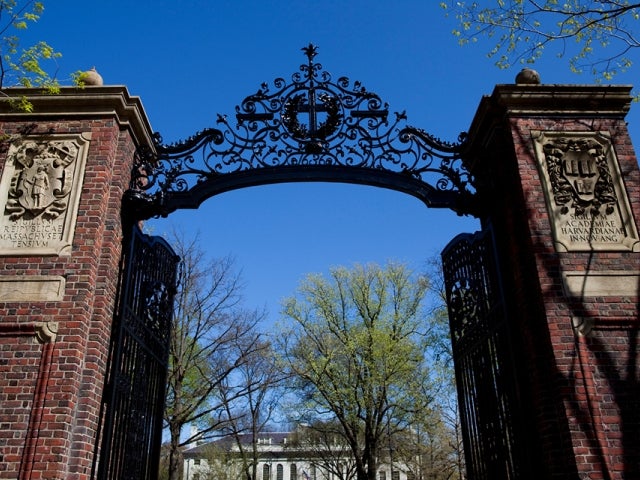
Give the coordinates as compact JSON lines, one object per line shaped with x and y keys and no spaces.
{"x":280,"y":456}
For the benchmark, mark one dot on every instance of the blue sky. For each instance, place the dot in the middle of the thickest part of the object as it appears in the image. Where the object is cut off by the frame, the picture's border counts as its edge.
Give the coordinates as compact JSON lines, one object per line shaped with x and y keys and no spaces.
{"x":190,"y":60}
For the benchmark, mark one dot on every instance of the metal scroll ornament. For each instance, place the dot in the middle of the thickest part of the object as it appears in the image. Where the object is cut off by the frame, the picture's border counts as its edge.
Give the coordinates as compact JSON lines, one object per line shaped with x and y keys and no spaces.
{"x":310,"y":121}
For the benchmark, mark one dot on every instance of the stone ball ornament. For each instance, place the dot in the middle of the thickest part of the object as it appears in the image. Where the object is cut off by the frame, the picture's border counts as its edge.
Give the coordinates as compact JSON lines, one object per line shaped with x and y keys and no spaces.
{"x":528,"y":76}
{"x":92,"y":78}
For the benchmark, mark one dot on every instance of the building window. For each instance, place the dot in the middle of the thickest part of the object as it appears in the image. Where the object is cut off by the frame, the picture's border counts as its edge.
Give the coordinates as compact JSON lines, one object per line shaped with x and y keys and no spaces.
{"x":196,"y":461}
{"x":395,"y":475}
{"x":293,"y":474}
{"x":313,"y":472}
{"x":266,"y":473}
{"x":383,"y":475}
{"x":279,"y":472}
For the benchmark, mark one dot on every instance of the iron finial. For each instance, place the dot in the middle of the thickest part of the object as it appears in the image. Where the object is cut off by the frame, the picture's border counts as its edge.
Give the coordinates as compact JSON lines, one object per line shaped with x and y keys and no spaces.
{"x":310,"y":51}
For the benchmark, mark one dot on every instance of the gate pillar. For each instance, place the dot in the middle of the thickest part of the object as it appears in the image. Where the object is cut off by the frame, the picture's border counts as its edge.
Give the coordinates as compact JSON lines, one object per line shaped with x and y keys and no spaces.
{"x":64,"y":170}
{"x":560,"y":189}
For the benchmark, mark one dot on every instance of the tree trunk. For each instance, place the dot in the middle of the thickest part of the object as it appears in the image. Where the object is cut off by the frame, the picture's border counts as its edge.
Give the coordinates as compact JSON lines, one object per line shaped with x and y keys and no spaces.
{"x":361,"y":473}
{"x":371,"y":451}
{"x":176,"y":459}
{"x":372,"y":464}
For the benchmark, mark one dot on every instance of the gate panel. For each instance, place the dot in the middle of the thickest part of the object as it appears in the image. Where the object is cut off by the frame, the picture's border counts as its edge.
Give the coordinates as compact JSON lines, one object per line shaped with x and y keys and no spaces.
{"x":134,"y":396}
{"x":482,"y":357}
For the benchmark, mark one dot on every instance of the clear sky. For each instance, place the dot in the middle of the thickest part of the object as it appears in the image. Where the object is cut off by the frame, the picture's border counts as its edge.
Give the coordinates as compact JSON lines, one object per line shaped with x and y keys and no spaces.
{"x":190,"y":60}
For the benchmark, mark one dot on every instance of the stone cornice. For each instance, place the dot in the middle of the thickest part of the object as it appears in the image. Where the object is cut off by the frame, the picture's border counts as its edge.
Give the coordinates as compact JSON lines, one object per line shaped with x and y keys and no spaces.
{"x":90,"y":102}
{"x":550,"y":101}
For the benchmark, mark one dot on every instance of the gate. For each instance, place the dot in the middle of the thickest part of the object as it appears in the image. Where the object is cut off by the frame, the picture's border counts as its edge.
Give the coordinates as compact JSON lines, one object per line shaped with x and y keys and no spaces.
{"x":134,"y":398}
{"x":312,"y":129}
{"x":483,"y":364}
{"x":548,"y":389}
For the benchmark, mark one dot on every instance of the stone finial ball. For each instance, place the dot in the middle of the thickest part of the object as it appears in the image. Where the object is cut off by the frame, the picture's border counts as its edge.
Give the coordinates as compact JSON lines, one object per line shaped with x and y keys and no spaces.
{"x":92,"y":78}
{"x":528,"y":76}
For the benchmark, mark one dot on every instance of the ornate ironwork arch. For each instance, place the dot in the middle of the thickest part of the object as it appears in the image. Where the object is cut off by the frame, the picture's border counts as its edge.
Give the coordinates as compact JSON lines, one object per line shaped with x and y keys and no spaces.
{"x":308,"y":129}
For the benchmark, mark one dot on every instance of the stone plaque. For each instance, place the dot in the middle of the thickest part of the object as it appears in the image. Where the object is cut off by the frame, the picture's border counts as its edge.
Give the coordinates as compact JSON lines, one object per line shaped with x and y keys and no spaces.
{"x":39,"y":194}
{"x":34,"y":288}
{"x":587,"y":203}
{"x":601,"y":284}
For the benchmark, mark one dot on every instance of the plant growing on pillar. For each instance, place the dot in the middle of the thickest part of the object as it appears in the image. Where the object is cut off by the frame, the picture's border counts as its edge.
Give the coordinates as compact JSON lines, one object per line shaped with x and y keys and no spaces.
{"x":20,"y":66}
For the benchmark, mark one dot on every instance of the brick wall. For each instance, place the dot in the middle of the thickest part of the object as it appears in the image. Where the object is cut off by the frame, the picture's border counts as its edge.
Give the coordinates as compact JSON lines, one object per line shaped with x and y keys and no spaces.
{"x":579,"y":388}
{"x":63,"y":376}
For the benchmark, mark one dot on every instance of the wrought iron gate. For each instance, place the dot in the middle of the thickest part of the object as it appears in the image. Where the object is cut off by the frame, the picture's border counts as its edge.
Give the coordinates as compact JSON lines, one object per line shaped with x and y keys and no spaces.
{"x":134,"y":395}
{"x":482,"y":358}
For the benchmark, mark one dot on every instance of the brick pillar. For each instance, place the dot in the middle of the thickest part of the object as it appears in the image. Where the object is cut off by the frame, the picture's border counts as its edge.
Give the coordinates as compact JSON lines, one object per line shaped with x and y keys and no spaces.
{"x":64,"y":169}
{"x":560,"y":185}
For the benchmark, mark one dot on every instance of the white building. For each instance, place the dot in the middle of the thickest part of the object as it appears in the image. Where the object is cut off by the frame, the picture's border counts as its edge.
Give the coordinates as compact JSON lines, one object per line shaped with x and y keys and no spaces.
{"x":281,"y":456}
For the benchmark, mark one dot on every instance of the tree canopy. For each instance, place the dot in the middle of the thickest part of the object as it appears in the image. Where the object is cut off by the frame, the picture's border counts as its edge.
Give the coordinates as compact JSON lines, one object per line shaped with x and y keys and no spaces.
{"x":597,"y":36}
{"x":356,"y":348}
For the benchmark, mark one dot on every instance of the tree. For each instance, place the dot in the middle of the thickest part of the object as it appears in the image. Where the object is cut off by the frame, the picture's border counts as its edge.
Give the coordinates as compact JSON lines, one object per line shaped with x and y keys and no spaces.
{"x":357,"y":351}
{"x":431,"y":448}
{"x":255,"y":388}
{"x":327,"y":449}
{"x":523,"y":29}
{"x":24,"y":66}
{"x":439,"y":435}
{"x":211,"y":339}
{"x":221,"y":464}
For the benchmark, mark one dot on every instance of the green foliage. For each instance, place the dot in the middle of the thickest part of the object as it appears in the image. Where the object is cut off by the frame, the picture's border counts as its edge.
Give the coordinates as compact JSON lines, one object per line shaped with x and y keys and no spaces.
{"x":24,"y":67}
{"x":522,"y":31}
{"x":79,"y":78}
{"x":358,"y":348}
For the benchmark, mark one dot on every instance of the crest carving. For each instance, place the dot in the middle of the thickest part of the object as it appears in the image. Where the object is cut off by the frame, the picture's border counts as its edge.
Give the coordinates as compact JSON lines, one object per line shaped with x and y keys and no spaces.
{"x":42,"y":180}
{"x":40,"y":190}
{"x":580,"y":176}
{"x":588,"y":206}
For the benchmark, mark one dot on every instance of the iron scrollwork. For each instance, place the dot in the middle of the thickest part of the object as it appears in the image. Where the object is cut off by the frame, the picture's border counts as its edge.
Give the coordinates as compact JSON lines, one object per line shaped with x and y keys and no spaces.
{"x":311,"y":121}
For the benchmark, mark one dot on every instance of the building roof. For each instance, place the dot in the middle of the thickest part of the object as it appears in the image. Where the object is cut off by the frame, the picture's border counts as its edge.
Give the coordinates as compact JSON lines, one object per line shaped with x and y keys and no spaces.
{"x":265,"y":440}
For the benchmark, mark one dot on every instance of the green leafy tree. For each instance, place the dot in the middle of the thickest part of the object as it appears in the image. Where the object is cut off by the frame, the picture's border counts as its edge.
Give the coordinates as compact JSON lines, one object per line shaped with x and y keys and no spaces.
{"x":212,"y":339}
{"x":431,"y":448}
{"x":21,"y":66}
{"x":599,"y":36}
{"x":356,"y":348}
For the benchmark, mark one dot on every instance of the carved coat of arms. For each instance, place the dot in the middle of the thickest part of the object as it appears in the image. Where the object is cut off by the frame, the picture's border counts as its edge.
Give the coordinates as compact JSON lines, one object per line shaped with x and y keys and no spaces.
{"x":579,"y":175}
{"x":42,"y":181}
{"x":584,"y":189}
